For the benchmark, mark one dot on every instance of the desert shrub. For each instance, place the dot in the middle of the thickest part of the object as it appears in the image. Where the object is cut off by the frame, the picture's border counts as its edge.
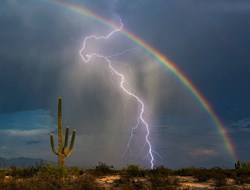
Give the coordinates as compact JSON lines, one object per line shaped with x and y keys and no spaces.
{"x":160,"y":171}
{"x":103,"y":169}
{"x":53,"y":171}
{"x":4,"y":172}
{"x":48,"y":182}
{"x":124,"y":186}
{"x":221,"y":171}
{"x":202,"y":175}
{"x":129,"y":184}
{"x":242,"y":172}
{"x":172,"y":180}
{"x":220,"y":180}
{"x":74,"y":171}
{"x":245,"y":165}
{"x":240,"y":165}
{"x":137,"y":184}
{"x":134,"y":171}
{"x":86,"y":182}
{"x":1,"y":181}
{"x":242,"y":180}
{"x":169,"y":182}
{"x":14,"y":185}
{"x":186,"y":171}
{"x":23,"y":172}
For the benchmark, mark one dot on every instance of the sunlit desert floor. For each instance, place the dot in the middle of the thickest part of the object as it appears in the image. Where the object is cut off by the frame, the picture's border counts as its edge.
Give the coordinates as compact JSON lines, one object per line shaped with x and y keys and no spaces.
{"x":54,"y":178}
{"x":184,"y":182}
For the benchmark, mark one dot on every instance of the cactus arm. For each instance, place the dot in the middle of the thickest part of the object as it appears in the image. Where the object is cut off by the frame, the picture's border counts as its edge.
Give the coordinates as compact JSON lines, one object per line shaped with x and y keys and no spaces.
{"x":66,"y":140}
{"x":52,"y":144}
{"x":60,"y":132}
{"x":71,"y":143}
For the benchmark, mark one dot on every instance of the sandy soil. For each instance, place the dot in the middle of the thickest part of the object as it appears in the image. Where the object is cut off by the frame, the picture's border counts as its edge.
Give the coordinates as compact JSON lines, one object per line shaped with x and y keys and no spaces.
{"x":185,"y":182}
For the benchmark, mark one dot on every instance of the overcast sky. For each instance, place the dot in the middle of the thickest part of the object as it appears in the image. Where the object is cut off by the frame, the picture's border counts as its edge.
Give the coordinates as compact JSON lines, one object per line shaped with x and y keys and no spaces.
{"x":208,"y":41}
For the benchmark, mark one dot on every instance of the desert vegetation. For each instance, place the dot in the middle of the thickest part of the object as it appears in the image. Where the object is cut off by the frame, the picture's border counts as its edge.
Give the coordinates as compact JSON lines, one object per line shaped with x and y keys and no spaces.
{"x":103,"y":176}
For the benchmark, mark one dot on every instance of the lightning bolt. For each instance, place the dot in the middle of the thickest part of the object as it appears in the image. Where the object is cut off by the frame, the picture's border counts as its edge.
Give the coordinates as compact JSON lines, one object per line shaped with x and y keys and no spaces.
{"x":87,"y":57}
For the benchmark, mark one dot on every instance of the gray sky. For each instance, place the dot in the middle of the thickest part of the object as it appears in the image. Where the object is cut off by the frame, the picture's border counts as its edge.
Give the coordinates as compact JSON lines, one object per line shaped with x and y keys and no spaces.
{"x":207,"y":40}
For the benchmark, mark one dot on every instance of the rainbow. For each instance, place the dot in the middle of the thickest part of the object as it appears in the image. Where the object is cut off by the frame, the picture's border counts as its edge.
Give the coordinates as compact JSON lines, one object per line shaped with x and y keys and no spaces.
{"x":164,"y":61}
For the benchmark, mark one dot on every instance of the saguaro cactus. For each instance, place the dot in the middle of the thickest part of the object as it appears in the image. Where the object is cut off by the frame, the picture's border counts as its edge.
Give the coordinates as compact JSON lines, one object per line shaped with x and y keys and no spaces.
{"x":62,"y":151}
{"x":237,"y":165}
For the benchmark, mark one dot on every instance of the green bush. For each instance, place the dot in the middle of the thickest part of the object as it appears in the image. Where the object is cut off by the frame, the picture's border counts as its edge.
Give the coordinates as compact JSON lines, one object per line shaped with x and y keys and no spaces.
{"x":220,"y":180}
{"x":46,"y":181}
{"x":23,"y":172}
{"x":243,"y":172}
{"x":103,"y":169}
{"x":242,"y":180}
{"x":186,"y":171}
{"x":161,"y":182}
{"x":53,"y":170}
{"x":75,"y":171}
{"x":134,"y":171}
{"x":129,"y":184}
{"x":86,"y":182}
{"x":202,"y":175}
{"x":160,"y":171}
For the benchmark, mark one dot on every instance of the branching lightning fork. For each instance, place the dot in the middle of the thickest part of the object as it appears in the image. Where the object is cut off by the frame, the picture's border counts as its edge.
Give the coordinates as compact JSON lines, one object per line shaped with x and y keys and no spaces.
{"x":87,"y":57}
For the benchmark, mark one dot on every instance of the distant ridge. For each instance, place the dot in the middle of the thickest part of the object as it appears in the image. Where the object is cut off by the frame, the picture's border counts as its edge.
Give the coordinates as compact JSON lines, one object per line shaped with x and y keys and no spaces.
{"x":21,"y":162}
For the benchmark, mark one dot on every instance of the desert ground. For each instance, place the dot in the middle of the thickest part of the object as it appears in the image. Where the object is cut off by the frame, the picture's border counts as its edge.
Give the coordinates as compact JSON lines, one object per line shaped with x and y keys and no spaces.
{"x":104,"y":177}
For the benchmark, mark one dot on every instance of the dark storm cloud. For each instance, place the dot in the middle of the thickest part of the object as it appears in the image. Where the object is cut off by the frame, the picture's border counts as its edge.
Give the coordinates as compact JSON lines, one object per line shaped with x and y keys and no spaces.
{"x":25,"y":40}
{"x":208,"y":40}
{"x":39,"y":62}
{"x":37,"y":45}
{"x":104,"y":8}
{"x":33,"y":60}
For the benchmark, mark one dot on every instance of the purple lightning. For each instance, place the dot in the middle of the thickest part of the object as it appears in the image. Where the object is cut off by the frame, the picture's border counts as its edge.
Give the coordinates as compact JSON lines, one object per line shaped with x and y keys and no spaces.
{"x":87,"y":57}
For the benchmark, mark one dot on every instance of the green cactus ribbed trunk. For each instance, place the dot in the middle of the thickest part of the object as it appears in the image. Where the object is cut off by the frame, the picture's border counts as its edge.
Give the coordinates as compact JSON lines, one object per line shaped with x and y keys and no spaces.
{"x":60,"y":133}
{"x":62,"y":151}
{"x":61,"y":160}
{"x":237,"y":165}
